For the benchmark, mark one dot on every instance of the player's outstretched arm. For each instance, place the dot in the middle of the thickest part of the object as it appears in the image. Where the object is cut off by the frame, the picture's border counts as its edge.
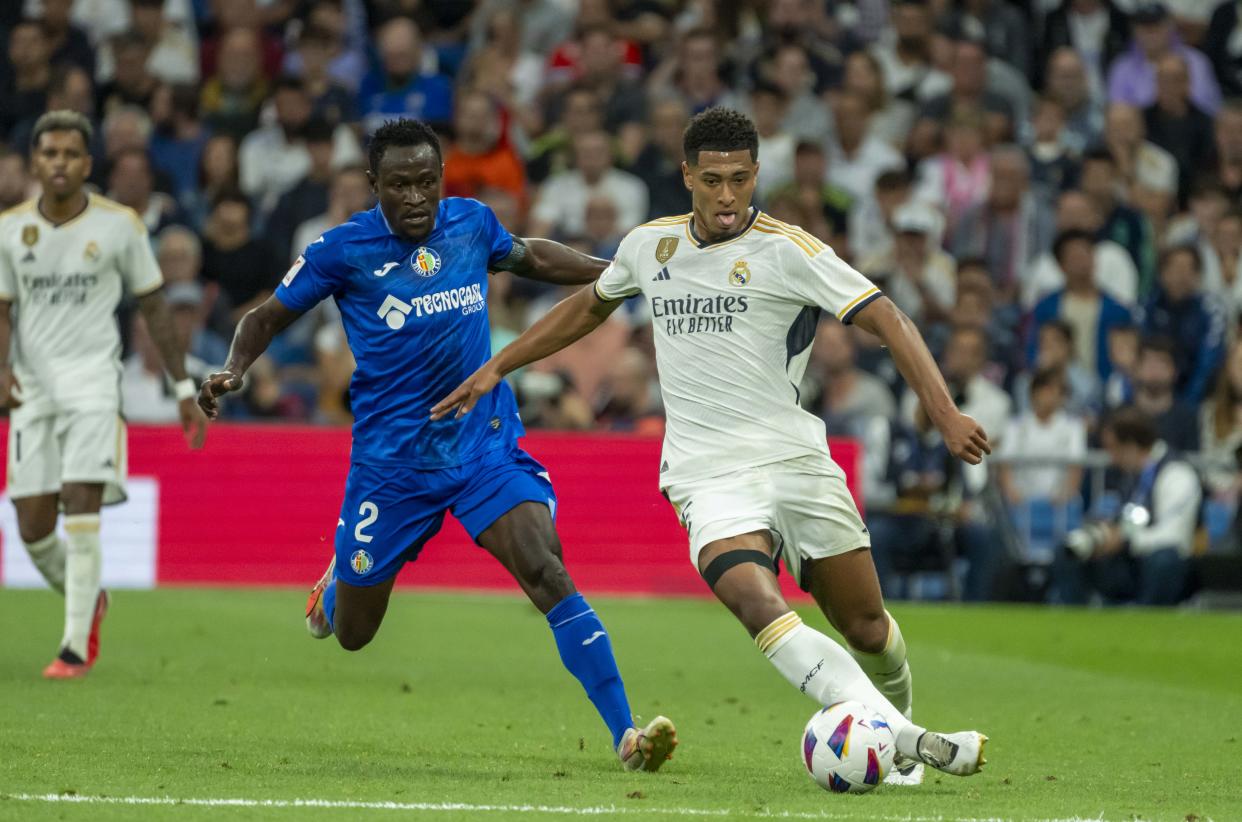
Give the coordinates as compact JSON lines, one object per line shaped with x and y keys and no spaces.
{"x":964,"y":437}
{"x":159,"y":321}
{"x":9,"y":388}
{"x":253,"y":335}
{"x":550,"y":262}
{"x":570,"y":320}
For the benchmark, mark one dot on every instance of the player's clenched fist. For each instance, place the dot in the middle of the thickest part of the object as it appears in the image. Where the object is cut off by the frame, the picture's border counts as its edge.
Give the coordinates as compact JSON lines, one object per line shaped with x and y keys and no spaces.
{"x":10,"y":389}
{"x":965,"y":438}
{"x":479,"y":384}
{"x":215,"y":386}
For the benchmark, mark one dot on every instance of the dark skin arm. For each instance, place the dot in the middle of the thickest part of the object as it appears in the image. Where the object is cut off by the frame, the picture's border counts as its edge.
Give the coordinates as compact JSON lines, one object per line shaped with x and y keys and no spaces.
{"x":160,"y":326}
{"x":551,"y":262}
{"x":254,"y":334}
{"x":8,"y":381}
{"x":569,"y":321}
{"x":964,"y":437}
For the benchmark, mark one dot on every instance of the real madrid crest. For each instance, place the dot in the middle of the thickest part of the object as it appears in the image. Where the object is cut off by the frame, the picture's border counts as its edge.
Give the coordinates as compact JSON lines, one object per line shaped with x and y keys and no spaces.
{"x":91,"y":252}
{"x":425,"y":261}
{"x":30,"y":235}
{"x":740,"y":275}
{"x":666,"y":249}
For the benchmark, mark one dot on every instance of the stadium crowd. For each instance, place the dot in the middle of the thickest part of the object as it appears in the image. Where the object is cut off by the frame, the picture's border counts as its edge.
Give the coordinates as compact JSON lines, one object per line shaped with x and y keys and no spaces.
{"x":1050,"y":189}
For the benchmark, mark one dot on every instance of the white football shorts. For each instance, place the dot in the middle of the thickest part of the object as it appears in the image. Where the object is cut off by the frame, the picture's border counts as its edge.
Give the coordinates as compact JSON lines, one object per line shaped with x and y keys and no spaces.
{"x":77,"y":446}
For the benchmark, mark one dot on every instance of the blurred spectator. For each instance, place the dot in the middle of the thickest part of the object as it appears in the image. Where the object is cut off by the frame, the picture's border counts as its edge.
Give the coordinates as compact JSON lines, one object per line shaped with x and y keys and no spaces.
{"x":501,"y":64}
{"x":776,"y":146}
{"x":131,"y":182}
{"x":552,"y":152}
{"x":914,"y":272}
{"x":70,"y":88}
{"x":179,"y":138}
{"x":561,"y":206}
{"x":601,"y":234}
{"x":179,"y":253}
{"x":1222,"y":265}
{"x":170,"y":48}
{"x":400,"y":87}
{"x":67,"y":42}
{"x":232,"y":97}
{"x":1220,"y":425}
{"x":1155,"y":383}
{"x":1070,"y":86}
{"x":1141,"y":554}
{"x":969,"y":92}
{"x":229,"y":16}
{"x":24,"y":94}
{"x":870,"y":220}
{"x":1123,"y":350}
{"x":1115,"y":273}
{"x":1226,"y":167}
{"x":15,"y":178}
{"x":217,"y":175}
{"x":629,"y":396}
{"x":904,"y":53}
{"x":963,"y":363}
{"x":131,"y":84}
{"x":273,"y":159}
{"x":330,"y":95}
{"x":481,"y":156}
{"x":1081,"y":304}
{"x":1055,"y":352}
{"x":788,"y":66}
{"x":545,"y":23}
{"x":890,"y":118}
{"x":1132,"y":76}
{"x":1004,"y":31}
{"x":1175,"y":123}
{"x":1043,"y":430}
{"x":856,"y":157}
{"x":658,"y":164}
{"x":1097,"y":30}
{"x":1140,"y":162}
{"x":125,"y":128}
{"x":601,"y":68}
{"x":1009,"y":228}
{"x":1193,"y":321}
{"x":811,"y":189}
{"x":146,"y":391}
{"x":694,"y":73}
{"x":1054,"y":167}
{"x":848,"y":397}
{"x":957,"y":179}
{"x":309,"y":196}
{"x":349,"y":194}
{"x":241,"y":265}
{"x":1222,"y":43}
{"x":1122,"y":224}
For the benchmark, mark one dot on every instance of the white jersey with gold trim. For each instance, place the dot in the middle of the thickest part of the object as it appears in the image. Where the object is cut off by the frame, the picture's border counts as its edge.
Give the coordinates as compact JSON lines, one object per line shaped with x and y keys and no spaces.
{"x":734,"y":322}
{"x":65,"y":283}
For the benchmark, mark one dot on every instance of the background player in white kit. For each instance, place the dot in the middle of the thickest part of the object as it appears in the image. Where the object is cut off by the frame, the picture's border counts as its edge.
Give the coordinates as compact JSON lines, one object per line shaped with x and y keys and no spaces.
{"x":66,"y":258}
{"x":735,"y":297}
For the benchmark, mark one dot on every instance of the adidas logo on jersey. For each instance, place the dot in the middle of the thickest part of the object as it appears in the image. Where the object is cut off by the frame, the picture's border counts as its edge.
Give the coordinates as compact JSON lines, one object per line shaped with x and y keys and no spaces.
{"x":662,"y":275}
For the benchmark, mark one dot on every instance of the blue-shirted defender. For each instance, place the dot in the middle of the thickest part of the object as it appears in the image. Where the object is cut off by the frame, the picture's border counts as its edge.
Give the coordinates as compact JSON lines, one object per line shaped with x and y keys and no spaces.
{"x":410,"y":279}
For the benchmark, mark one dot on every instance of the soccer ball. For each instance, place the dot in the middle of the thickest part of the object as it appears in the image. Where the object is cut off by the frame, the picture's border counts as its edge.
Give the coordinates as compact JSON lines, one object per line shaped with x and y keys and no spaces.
{"x":848,"y":748}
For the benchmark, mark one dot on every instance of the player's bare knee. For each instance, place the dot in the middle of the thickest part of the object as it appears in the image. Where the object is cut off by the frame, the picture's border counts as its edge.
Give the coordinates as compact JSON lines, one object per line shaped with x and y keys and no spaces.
{"x":866,"y":632}
{"x":546,"y":575}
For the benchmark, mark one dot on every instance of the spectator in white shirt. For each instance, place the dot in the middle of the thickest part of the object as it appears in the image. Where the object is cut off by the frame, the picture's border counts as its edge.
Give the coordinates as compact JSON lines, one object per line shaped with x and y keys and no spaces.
{"x":1046,"y":430}
{"x":560,"y":208}
{"x":856,"y":157}
{"x":1115,"y":273}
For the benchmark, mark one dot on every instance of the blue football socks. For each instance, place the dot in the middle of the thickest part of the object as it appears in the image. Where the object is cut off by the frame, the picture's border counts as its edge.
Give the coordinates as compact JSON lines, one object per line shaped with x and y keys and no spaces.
{"x":587,"y":652}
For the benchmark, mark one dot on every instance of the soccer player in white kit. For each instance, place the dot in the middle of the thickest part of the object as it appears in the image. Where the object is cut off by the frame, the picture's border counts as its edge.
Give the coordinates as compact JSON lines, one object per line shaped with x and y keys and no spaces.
{"x":735,"y":297}
{"x":66,"y":258}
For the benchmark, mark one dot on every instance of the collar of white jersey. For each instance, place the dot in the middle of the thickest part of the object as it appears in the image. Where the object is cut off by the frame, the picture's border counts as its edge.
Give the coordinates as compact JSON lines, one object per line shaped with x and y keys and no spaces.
{"x":694,"y":238}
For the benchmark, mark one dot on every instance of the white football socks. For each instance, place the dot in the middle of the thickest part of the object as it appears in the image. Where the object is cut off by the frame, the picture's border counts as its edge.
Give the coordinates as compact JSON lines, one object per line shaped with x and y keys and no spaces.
{"x":824,"y":671}
{"x":888,"y":669}
{"x":82,"y":570}
{"x":48,"y":555}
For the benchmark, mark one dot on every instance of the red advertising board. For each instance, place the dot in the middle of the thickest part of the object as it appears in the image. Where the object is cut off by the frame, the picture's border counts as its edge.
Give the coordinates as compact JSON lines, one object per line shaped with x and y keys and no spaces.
{"x":259,"y":506}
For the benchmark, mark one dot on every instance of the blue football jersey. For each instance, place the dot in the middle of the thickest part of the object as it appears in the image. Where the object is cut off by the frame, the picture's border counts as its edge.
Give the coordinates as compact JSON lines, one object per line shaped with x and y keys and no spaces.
{"x":415,"y":315}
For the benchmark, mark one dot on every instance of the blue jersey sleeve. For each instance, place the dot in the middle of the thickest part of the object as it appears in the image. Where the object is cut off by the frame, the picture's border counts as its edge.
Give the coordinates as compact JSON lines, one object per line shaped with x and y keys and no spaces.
{"x":316,"y":275}
{"x":499,"y":240}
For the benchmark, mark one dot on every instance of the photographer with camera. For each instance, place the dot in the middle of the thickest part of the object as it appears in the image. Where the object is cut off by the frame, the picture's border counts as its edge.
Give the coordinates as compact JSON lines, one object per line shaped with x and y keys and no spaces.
{"x":1140,"y":554}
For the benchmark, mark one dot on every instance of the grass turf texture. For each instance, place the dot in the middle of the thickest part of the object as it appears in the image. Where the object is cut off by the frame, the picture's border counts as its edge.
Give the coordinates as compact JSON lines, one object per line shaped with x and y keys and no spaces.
{"x":461,"y":699}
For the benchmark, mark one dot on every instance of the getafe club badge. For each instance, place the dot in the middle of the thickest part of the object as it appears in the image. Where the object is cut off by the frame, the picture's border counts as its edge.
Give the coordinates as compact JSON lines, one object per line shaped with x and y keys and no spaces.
{"x":361,"y":562}
{"x":425,"y":261}
{"x":92,"y":251}
{"x":30,"y":235}
{"x":666,"y":249}
{"x":740,"y":275}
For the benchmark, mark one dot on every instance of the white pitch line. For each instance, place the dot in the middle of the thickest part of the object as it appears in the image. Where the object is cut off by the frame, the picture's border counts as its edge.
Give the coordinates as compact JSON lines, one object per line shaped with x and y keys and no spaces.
{"x":443,"y":807}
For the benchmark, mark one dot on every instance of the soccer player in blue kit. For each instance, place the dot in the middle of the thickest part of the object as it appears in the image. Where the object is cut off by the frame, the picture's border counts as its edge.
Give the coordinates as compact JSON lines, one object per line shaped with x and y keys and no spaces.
{"x":410,"y":278}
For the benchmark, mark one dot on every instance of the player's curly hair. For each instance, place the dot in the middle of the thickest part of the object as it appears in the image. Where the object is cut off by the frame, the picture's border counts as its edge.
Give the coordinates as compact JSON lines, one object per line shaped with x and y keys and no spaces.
{"x":400,"y":132}
{"x":720,"y":129}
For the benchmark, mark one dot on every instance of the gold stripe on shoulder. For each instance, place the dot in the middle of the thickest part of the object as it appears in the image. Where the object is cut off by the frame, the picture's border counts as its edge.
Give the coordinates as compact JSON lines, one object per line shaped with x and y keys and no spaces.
{"x":857,"y":300}
{"x":810,"y":238}
{"x":665,"y":221}
{"x":776,"y":232}
{"x":28,"y":205}
{"x":113,"y":205}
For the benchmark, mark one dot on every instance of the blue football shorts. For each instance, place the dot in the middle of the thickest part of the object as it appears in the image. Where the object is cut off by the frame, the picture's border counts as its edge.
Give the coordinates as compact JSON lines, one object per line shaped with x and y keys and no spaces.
{"x":390,"y":513}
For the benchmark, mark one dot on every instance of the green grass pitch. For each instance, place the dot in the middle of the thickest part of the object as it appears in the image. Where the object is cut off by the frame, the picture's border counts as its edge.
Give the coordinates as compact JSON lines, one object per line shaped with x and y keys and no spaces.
{"x":461,"y":710}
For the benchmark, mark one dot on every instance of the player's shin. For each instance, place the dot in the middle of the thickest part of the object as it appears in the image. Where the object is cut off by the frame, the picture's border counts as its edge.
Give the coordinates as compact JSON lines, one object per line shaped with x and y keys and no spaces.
{"x":824,"y":671}
{"x":48,"y":555}
{"x":586,"y":651}
{"x":888,"y":669}
{"x":82,"y":572}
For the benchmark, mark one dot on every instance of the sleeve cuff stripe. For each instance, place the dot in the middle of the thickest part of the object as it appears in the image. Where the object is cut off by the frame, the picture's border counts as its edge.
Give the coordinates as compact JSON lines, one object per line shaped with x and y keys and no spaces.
{"x":859,"y":304}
